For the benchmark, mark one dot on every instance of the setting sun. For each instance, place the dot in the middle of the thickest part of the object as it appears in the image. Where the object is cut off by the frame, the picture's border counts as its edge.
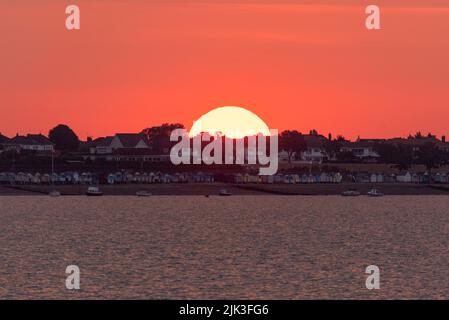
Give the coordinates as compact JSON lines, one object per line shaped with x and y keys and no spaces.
{"x":233,"y":122}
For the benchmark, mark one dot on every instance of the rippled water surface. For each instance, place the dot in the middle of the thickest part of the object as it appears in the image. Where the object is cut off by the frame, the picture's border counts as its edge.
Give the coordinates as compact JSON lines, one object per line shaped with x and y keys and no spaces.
{"x":266,"y":247}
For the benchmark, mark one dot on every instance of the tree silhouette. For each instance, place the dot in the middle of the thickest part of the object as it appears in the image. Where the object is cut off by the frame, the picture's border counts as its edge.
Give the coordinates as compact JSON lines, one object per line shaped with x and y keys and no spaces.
{"x":64,"y":138}
{"x":332,"y":147}
{"x":401,"y":156}
{"x":292,"y":142}
{"x":159,"y":136}
{"x":430,"y":156}
{"x":404,"y":157}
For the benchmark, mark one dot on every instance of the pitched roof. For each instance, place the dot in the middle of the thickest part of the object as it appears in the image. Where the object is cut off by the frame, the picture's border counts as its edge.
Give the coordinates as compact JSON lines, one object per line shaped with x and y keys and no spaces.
{"x":21,"y":140}
{"x":103,"y":141}
{"x":414,"y":141}
{"x":375,"y":140}
{"x":361,"y":144}
{"x":40,"y":139}
{"x":130,"y":140}
{"x":135,"y":152}
{"x":357,"y":144}
{"x":30,"y":139}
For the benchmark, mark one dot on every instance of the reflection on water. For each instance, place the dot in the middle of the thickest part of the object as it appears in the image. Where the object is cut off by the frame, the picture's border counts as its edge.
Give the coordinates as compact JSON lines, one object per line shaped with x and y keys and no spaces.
{"x":265,"y":247}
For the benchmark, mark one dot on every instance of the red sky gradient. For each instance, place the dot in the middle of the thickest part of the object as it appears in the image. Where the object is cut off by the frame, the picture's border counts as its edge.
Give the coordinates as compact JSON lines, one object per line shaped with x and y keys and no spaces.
{"x":296,"y":64}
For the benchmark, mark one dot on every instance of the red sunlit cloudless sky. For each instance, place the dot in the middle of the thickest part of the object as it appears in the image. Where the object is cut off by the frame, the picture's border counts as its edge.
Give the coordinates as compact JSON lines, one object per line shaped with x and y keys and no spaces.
{"x":296,"y":64}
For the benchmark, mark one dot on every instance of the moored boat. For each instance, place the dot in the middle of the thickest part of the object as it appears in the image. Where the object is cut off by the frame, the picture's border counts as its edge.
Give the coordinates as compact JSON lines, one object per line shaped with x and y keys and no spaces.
{"x":375,"y":193}
{"x":143,"y":193}
{"x":54,"y":194}
{"x":94,"y":192}
{"x":224,"y":193}
{"x":351,"y":193}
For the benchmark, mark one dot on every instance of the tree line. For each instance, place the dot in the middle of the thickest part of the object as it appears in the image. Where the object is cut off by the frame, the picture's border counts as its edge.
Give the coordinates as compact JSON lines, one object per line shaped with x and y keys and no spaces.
{"x":402,"y":156}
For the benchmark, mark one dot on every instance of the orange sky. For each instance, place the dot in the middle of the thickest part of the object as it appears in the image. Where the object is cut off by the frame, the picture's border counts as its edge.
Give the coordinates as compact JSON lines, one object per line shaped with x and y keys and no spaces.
{"x":296,"y":64}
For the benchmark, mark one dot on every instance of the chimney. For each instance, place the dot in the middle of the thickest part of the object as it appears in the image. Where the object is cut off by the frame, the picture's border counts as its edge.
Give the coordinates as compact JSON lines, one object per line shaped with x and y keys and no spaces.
{"x":329,"y":136}
{"x":443,"y":138}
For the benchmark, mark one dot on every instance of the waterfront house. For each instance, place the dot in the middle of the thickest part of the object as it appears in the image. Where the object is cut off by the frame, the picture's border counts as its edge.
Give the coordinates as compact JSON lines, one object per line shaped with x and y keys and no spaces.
{"x":130,"y":140}
{"x":128,"y":147}
{"x":139,"y":155}
{"x":315,"y":148}
{"x":416,"y":143}
{"x":101,"y":146}
{"x":361,"y":149}
{"x":443,"y":145}
{"x":31,"y":142}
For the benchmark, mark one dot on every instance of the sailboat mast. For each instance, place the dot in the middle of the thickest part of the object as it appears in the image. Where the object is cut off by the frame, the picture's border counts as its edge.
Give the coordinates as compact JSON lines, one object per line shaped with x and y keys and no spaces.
{"x":52,"y":171}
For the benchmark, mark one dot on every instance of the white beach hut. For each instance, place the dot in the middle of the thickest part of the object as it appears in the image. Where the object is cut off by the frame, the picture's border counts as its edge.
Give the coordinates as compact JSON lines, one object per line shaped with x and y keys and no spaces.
{"x":404,"y":178}
{"x":111,"y":178}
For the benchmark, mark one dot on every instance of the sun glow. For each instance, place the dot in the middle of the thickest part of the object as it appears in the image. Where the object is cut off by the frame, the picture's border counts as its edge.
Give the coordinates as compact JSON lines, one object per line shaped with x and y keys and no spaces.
{"x":232,"y":122}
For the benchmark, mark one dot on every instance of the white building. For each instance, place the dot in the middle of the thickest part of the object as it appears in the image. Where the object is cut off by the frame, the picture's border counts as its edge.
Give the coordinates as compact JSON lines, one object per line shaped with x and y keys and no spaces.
{"x":361,"y":150}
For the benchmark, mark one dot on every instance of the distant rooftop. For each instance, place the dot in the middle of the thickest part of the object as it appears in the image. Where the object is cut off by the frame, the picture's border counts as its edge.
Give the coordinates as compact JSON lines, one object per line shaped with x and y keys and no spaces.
{"x":103,"y":141}
{"x":3,"y":139}
{"x":30,"y":139}
{"x":130,"y":140}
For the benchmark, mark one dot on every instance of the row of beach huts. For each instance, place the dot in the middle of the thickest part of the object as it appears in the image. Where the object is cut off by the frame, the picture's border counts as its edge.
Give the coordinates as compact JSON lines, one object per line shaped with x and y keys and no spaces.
{"x":111,"y":178}
{"x":123,"y":177}
{"x":289,"y":178}
{"x":406,"y":177}
{"x":337,"y":177}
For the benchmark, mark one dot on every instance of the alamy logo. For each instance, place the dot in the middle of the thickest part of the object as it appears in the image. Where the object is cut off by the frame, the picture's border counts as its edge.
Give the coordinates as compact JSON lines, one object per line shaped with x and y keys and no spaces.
{"x":373,"y":280}
{"x":372,"y":22}
{"x":251,"y":149}
{"x":72,"y":21}
{"x":72,"y":282}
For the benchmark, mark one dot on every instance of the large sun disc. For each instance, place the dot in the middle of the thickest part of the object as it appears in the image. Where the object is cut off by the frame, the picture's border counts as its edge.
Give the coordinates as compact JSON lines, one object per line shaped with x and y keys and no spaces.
{"x":232,"y":122}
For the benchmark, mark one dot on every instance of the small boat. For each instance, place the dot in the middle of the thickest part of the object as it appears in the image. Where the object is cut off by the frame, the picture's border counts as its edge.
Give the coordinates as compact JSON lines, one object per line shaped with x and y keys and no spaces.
{"x":94,"y":192}
{"x":143,"y":193}
{"x":54,"y":194}
{"x":224,"y":193}
{"x":374,"y":193}
{"x":350,"y":193}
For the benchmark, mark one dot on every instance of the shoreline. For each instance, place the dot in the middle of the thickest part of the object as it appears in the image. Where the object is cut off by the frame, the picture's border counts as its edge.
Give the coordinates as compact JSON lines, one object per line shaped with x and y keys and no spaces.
{"x":202,"y":189}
